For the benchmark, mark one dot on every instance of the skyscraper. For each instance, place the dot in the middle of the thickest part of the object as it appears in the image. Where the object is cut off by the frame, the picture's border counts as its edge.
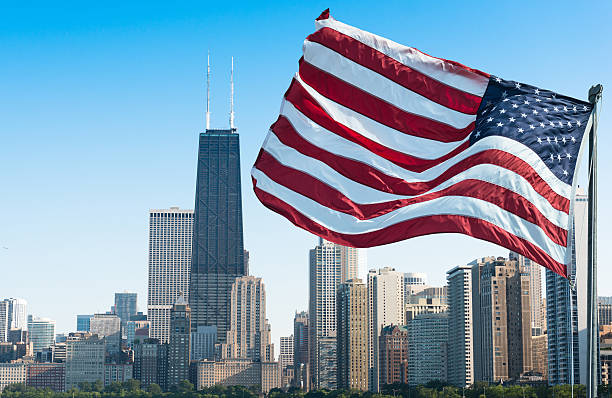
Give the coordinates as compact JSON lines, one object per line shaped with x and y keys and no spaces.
{"x":300,"y":350}
{"x":427,"y":348}
{"x":84,"y":359}
{"x":460,"y":323}
{"x":107,"y":326}
{"x":536,"y":301}
{"x":285,"y":359}
{"x":565,"y":347}
{"x":151,"y":363}
{"x":393,"y":354}
{"x":352,"y":335}
{"x":170,"y":239}
{"x":178,"y":349}
{"x":386,"y":307}
{"x":83,"y":323}
{"x":4,"y":321}
{"x":604,"y":309}
{"x":218,"y":249}
{"x":13,"y":315}
{"x":414,"y":282}
{"x":125,"y":306}
{"x":41,"y":332}
{"x":330,"y":264}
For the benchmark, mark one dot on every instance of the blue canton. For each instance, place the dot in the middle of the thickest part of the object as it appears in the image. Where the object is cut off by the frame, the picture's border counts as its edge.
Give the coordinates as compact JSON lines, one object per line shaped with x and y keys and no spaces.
{"x":550,"y":124}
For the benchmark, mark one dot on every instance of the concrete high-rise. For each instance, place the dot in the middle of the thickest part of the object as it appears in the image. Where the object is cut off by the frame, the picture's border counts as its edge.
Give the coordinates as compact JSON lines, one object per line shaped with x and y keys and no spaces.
{"x":536,"y":301}
{"x":352,"y":335}
{"x":41,"y":332}
{"x":286,"y":360}
{"x":300,"y":351}
{"x":330,"y":265}
{"x":126,"y":305}
{"x":13,"y":315}
{"x":218,"y":248}
{"x":427,"y":348}
{"x":249,"y":335}
{"x":564,"y":348}
{"x":178,"y":349}
{"x":107,"y":326}
{"x":170,"y":239}
{"x":4,"y":321}
{"x":460,"y":323}
{"x":84,"y":359}
{"x":386,"y":307}
{"x":151,"y":363}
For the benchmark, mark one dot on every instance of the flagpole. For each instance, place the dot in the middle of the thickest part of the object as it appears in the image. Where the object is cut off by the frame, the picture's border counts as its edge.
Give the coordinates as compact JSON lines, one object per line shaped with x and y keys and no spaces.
{"x":592,"y":322}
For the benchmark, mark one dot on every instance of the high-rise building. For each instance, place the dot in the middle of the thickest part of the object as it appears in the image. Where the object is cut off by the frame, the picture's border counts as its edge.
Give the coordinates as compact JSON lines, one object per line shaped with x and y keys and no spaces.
{"x":414,"y":282}
{"x":131,"y":328}
{"x":386,"y":307}
{"x":4,"y":321}
{"x":418,"y":305}
{"x":41,"y":332}
{"x":107,"y":326}
{"x":83,"y":323}
{"x":16,"y":314}
{"x":502,"y":348}
{"x":84,"y":359}
{"x":285,"y":360}
{"x":126,"y":305}
{"x":178,"y":349}
{"x":427,"y":348}
{"x":330,"y":265}
{"x":536,"y":301}
{"x":604,"y":309}
{"x":170,"y":239}
{"x":300,"y":350}
{"x":539,"y":356}
{"x":218,"y":248}
{"x":566,"y":309}
{"x":460,"y":323}
{"x":203,"y":342}
{"x":151,"y":363}
{"x":393,"y":348}
{"x":249,"y":335}
{"x":352,"y":335}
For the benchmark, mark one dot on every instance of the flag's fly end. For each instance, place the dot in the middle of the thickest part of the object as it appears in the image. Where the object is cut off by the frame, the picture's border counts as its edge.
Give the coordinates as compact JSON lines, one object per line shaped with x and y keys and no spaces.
{"x":324,"y":15}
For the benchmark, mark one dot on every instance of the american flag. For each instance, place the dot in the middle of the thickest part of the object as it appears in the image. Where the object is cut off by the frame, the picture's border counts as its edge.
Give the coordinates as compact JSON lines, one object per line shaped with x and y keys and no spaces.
{"x":377,"y":142}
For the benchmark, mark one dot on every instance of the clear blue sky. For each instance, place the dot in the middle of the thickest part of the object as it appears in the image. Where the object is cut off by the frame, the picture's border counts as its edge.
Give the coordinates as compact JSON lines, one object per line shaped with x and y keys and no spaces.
{"x":100,"y":109}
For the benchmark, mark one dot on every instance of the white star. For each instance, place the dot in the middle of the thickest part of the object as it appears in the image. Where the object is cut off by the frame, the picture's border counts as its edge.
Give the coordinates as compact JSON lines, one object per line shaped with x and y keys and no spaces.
{"x":552,"y":157}
{"x":502,"y":111}
{"x":531,"y":126}
{"x":559,"y":158}
{"x":548,"y":139}
{"x":584,"y":108}
{"x":573,"y":139}
{"x":517,"y":85}
{"x":556,"y":142}
{"x":511,"y":119}
{"x":555,"y":109}
{"x":578,"y":123}
{"x":535,"y":112}
{"x":565,"y":109}
{"x":569,"y":124}
{"x":514,"y":106}
{"x":478,"y":134}
{"x":551,"y":124}
{"x":542,"y":125}
{"x":526,"y":102}
{"x":538,"y":100}
{"x":537,"y":92}
{"x":565,"y":172}
{"x":497,"y":79}
{"x":539,"y":140}
{"x":546,"y":110}
{"x":504,"y":94}
{"x":568,"y":155}
{"x":574,"y":108}
{"x":490,"y":119}
{"x":523,"y":115}
{"x":560,"y":124}
{"x":520,"y":130}
{"x":499,"y":124}
{"x":564,"y":140}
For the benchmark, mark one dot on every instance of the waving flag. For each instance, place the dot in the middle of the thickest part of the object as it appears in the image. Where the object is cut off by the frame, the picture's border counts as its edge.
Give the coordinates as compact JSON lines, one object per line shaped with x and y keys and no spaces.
{"x":377,"y":142}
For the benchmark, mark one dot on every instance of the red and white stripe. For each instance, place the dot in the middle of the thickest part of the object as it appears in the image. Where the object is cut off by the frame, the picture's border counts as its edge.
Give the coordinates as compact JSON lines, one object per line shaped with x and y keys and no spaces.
{"x":372,"y":147}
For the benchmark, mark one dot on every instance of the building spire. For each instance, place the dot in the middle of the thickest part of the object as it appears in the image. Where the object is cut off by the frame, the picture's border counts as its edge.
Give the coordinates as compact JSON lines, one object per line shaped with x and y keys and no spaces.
{"x":208,"y":91}
{"x":231,"y":120}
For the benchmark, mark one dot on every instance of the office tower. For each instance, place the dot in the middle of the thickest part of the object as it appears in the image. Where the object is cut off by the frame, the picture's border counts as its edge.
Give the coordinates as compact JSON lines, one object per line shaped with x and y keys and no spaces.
{"x":83,"y":322}
{"x":604,"y":309}
{"x":300,"y":350}
{"x":563,"y":350}
{"x":203,"y":342}
{"x":131,"y":329}
{"x":502,"y":348}
{"x":536,"y":303}
{"x":4,"y":320}
{"x":107,"y":326}
{"x":393,"y":348}
{"x":16,"y":314}
{"x":47,"y":375}
{"x":414,"y":282}
{"x":285,"y":360}
{"x":12,"y":373}
{"x":431,"y":292}
{"x":460,"y":337}
{"x":427,"y":348}
{"x":330,"y":265}
{"x":41,"y":332}
{"x":151,"y":363}
{"x":125,"y":306}
{"x":386,"y":307}
{"x":178,"y":349}
{"x":170,"y":239}
{"x":249,"y":334}
{"x":352,"y":335}
{"x":218,"y":248}
{"x":84,"y":359}
{"x":417,"y":305}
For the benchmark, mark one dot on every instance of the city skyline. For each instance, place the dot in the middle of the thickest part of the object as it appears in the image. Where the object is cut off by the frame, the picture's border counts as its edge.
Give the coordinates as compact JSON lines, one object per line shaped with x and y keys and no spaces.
{"x":129,"y":208}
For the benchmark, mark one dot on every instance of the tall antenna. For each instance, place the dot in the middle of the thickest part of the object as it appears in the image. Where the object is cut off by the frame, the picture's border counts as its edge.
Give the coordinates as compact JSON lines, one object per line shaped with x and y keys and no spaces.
{"x":208,"y":92}
{"x":232,"y":97}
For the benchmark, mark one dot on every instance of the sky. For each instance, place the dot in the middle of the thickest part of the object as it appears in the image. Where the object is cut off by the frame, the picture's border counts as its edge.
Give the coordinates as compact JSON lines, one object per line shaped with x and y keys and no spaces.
{"x":101,"y":106}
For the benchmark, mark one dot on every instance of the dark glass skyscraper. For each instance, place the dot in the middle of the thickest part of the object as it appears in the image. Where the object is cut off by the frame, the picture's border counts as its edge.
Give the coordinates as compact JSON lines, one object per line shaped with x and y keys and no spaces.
{"x":218,"y":249}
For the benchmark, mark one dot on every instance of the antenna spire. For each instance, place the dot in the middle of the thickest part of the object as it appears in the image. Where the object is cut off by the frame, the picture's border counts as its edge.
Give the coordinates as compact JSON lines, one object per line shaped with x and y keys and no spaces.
{"x":231,"y":120}
{"x":208,"y":92}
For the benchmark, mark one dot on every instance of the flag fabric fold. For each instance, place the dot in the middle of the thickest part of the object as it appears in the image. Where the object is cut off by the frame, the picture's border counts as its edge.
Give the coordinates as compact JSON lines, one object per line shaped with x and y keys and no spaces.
{"x":377,"y":142}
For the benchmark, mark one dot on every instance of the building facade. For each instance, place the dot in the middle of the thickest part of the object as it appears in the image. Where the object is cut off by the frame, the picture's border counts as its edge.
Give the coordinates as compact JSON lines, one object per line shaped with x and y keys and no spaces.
{"x":41,"y":332}
{"x":117,"y":372}
{"x":218,"y":247}
{"x":285,"y":360}
{"x":393,"y":346}
{"x":301,"y":365}
{"x":16,"y":314}
{"x":47,"y":375}
{"x":107,"y":326}
{"x":126,"y":306}
{"x":83,"y":323}
{"x":203,"y":342}
{"x":418,"y":305}
{"x":460,"y":322}
{"x":238,"y":372}
{"x":170,"y":239}
{"x":179,"y":346}
{"x":604,"y":309}
{"x":12,"y":373}
{"x":427,"y":348}
{"x":84,"y":359}
{"x":151,"y":363}
{"x":352,"y":335}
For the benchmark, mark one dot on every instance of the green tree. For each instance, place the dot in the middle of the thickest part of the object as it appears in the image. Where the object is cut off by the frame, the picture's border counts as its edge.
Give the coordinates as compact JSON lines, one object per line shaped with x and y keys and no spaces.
{"x":155,"y":389}
{"x":185,"y":386}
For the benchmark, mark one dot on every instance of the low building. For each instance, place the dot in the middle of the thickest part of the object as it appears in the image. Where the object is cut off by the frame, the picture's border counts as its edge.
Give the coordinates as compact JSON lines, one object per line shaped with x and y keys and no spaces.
{"x":243,"y":372}
{"x":117,"y":372}
{"x":47,"y":375}
{"x":12,"y":373}
{"x":605,"y":354}
{"x":84,"y":359}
